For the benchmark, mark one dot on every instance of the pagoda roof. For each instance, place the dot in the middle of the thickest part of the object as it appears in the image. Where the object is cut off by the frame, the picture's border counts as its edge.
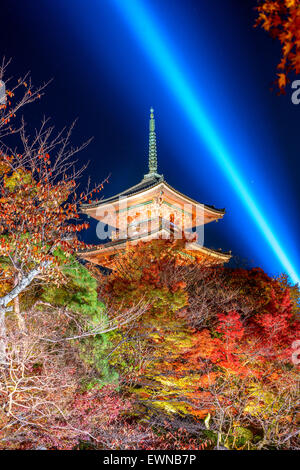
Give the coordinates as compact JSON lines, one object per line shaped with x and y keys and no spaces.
{"x":145,"y":184}
{"x":117,"y":245}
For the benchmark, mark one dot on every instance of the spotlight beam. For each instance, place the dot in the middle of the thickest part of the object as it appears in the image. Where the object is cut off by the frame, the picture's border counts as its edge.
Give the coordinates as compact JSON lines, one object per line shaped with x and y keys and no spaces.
{"x":147,"y":32}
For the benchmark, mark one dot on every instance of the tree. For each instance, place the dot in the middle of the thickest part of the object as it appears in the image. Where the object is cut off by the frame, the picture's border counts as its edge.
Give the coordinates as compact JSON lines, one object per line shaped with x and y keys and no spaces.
{"x":152,"y":271}
{"x":38,"y":201}
{"x":281,"y":19}
{"x":43,"y":400}
{"x":219,"y":362}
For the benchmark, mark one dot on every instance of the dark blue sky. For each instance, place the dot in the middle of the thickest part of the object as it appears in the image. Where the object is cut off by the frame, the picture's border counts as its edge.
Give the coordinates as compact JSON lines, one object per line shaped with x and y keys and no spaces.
{"x":104,"y":75}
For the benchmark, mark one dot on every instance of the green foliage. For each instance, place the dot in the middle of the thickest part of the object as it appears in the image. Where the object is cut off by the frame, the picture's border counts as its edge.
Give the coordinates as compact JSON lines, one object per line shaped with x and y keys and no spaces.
{"x":94,"y":352}
{"x":17,"y":178}
{"x":78,"y":293}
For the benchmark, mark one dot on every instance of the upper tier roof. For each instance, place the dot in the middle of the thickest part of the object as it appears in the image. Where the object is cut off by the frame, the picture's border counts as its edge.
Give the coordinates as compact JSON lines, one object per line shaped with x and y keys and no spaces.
{"x":145,"y":184}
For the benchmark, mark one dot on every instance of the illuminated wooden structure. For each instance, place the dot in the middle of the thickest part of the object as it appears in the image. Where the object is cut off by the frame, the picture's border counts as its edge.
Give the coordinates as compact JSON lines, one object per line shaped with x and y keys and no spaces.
{"x":149,"y":210}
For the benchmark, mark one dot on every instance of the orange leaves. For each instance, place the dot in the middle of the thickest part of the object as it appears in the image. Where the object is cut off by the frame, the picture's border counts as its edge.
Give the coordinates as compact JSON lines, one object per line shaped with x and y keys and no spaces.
{"x":146,"y":271}
{"x":281,"y":19}
{"x":204,"y":346}
{"x":291,"y":3}
{"x":281,"y":80}
{"x":208,"y":379}
{"x":201,"y":414}
{"x":37,"y":215}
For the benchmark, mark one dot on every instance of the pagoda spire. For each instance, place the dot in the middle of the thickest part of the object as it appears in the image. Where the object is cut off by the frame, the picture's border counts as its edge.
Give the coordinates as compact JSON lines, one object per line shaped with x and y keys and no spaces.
{"x":152,"y":144}
{"x":152,"y":157}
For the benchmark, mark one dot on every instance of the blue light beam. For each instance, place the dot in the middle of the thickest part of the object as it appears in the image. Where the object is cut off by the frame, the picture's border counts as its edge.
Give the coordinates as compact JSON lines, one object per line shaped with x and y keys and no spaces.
{"x":147,"y":32}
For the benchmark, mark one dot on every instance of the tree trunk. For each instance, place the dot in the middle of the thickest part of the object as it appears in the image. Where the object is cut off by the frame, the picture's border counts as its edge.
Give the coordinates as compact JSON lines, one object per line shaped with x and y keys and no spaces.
{"x":24,"y":282}
{"x":20,"y":318}
{"x":3,"y":338}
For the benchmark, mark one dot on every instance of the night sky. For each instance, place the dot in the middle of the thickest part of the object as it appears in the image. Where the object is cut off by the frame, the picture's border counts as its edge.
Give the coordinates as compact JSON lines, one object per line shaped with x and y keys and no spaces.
{"x":104,"y":76}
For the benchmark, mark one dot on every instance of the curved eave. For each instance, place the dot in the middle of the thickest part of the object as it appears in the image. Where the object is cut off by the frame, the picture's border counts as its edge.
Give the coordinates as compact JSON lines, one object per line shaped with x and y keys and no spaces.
{"x":209,"y":208}
{"x":113,"y":249}
{"x":208,"y":251}
{"x":132,"y":191}
{"x":85,"y":208}
{"x":119,"y":245}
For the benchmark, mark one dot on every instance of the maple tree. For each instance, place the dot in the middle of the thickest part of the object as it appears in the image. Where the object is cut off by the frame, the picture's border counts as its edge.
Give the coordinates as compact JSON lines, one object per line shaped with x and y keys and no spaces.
{"x":38,"y":201}
{"x":51,"y":386}
{"x":49,"y":399}
{"x":220,"y":360}
{"x":281,"y":19}
{"x":227,"y":377}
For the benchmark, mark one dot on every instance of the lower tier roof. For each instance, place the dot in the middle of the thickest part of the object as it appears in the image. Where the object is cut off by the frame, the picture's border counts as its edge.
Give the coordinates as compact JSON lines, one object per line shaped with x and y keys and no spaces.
{"x":104,"y":254}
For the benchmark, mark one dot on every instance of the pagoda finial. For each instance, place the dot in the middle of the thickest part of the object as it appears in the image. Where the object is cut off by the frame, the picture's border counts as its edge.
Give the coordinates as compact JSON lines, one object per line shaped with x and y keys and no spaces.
{"x":152,"y":144}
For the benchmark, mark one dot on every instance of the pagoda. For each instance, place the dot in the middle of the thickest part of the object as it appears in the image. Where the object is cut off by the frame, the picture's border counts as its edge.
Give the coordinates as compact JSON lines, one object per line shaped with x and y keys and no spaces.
{"x":152,"y":209}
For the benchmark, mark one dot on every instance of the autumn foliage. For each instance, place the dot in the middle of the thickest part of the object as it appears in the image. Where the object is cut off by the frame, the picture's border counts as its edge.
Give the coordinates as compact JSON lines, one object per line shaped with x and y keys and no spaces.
{"x":162,"y":353}
{"x":38,"y":201}
{"x":149,"y":271}
{"x":281,"y":19}
{"x":229,"y":372}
